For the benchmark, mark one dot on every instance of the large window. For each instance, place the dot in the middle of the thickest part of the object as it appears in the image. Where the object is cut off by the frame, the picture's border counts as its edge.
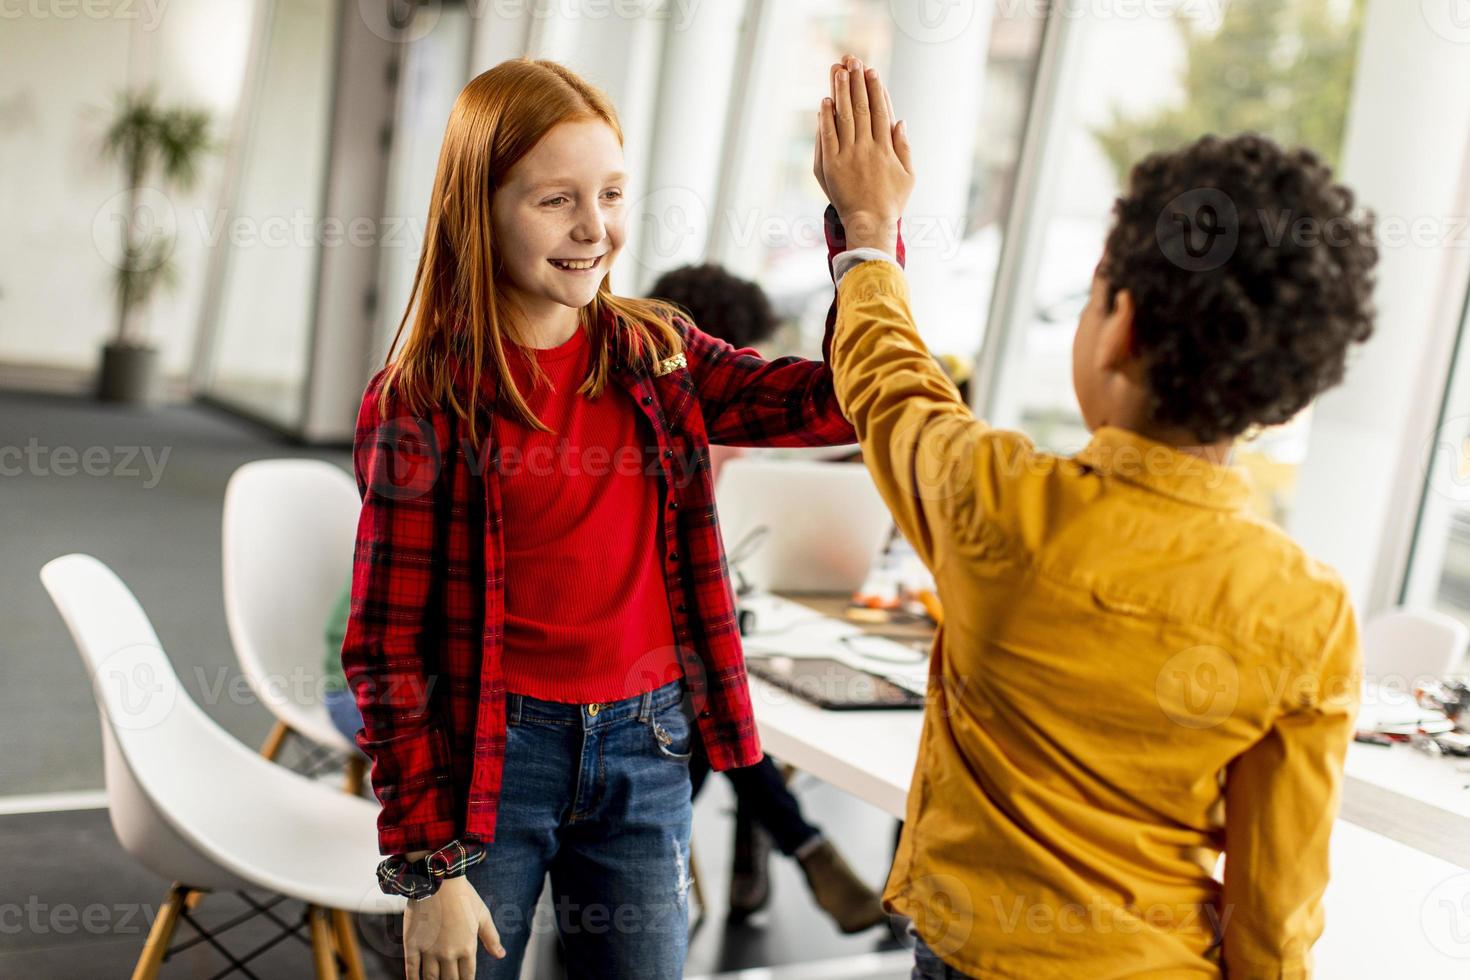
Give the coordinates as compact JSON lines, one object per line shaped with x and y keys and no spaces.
{"x":1439,"y":569}
{"x":1132,"y":85}
{"x":771,"y":227}
{"x":266,"y":305}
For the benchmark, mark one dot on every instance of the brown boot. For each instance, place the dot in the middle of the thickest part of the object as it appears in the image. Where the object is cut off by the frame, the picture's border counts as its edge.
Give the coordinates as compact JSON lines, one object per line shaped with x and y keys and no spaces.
{"x":841,"y":893}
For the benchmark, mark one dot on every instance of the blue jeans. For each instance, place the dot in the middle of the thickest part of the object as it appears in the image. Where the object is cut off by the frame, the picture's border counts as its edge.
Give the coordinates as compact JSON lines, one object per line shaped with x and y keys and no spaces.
{"x":597,"y":795}
{"x":928,"y":966}
{"x":342,"y":709}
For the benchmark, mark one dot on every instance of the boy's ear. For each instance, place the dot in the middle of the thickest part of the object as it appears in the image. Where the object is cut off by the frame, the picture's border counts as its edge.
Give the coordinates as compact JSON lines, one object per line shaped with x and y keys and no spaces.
{"x":1115,"y":339}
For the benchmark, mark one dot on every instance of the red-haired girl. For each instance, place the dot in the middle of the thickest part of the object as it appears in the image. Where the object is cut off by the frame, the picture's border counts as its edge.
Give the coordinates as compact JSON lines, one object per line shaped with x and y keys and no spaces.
{"x":541,"y":620}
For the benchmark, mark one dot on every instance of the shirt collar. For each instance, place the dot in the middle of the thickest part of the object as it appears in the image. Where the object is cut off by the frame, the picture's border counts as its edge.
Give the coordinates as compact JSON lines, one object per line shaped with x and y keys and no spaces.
{"x":1165,"y":470}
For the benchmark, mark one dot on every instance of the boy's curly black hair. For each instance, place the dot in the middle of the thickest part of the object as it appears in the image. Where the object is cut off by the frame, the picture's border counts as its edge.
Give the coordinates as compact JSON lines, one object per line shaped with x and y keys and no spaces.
{"x":723,"y":305}
{"x":1250,"y":276}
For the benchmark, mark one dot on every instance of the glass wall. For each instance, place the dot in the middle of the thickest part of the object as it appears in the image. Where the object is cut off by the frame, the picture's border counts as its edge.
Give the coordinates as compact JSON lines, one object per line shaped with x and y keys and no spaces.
{"x":773,"y":232}
{"x":1135,"y":84}
{"x":1439,"y":567}
{"x":434,"y":69}
{"x":260,"y":340}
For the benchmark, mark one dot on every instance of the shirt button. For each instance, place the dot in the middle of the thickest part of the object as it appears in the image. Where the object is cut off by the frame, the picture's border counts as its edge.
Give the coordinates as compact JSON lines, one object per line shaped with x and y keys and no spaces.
{"x":648,"y":399}
{"x":673,"y":505}
{"x":679,"y":608}
{"x":668,"y":454}
{"x":673,"y":556}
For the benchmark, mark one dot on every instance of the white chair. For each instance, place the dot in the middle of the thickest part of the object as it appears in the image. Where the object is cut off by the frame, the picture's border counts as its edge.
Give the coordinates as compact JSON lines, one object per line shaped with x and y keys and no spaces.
{"x":1403,"y":647}
{"x":289,"y":528}
{"x":197,"y":807}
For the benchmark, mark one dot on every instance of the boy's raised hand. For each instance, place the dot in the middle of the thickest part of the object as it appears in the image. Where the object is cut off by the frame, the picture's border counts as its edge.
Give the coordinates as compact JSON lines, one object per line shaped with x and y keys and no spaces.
{"x":863,"y":157}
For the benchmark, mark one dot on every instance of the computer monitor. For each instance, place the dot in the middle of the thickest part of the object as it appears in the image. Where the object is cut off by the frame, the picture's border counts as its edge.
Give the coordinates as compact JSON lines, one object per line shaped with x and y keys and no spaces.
{"x":824,"y":523}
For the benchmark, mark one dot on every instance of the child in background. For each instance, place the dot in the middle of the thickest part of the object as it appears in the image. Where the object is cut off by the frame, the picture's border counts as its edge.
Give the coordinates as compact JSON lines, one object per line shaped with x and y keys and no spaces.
{"x":738,"y":312}
{"x":1134,"y":675}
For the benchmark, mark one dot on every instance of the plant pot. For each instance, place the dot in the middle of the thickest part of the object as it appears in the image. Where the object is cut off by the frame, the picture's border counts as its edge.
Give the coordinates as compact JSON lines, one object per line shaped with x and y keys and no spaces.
{"x":129,"y":374}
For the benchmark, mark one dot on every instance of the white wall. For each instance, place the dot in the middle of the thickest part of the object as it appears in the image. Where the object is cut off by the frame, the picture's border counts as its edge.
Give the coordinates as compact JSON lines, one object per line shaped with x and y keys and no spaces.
{"x":60,"y":75}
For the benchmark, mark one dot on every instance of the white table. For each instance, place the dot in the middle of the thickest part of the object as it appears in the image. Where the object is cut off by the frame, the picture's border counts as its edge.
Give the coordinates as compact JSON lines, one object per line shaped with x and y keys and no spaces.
{"x":1400,"y":850}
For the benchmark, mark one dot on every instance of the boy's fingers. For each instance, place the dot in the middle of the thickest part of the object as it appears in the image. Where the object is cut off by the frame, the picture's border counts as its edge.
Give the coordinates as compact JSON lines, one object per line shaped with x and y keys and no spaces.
{"x":842,"y":94}
{"x":882,"y":123}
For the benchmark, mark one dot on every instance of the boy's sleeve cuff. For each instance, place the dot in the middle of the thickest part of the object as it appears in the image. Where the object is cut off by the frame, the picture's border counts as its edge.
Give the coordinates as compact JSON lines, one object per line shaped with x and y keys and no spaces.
{"x":843,"y":262}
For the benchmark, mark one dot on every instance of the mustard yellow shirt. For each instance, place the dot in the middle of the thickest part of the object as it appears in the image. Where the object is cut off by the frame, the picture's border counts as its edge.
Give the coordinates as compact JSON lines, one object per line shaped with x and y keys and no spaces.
{"x":1134,"y":675}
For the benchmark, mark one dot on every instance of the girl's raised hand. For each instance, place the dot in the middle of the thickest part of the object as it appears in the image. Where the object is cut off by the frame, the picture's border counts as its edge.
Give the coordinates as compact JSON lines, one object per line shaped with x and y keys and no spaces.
{"x":862,"y":157}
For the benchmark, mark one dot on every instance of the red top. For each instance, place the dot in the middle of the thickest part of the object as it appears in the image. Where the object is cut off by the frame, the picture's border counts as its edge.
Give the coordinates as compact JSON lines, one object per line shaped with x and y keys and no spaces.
{"x":586,"y":606}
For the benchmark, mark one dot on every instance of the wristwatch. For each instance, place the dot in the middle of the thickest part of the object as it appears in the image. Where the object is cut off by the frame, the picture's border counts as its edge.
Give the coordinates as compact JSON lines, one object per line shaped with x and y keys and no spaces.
{"x":397,"y":875}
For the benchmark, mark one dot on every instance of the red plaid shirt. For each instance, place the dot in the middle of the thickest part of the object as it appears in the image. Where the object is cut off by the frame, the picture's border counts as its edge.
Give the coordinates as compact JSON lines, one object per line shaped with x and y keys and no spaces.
{"x":423,"y":646}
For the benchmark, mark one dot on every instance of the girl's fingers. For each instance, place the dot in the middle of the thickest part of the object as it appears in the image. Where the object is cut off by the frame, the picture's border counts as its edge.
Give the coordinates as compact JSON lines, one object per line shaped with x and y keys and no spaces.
{"x":901,"y":146}
{"x":827,"y":143}
{"x":843,"y":103}
{"x":861,"y":117}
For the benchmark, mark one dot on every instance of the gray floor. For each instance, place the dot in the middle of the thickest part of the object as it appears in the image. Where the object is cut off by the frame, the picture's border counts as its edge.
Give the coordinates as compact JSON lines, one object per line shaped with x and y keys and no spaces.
{"x":72,"y":903}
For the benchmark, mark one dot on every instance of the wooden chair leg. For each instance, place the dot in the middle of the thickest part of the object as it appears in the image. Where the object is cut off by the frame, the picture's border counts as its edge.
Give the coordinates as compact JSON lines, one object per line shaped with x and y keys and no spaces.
{"x":159,"y":936}
{"x":346,"y":940}
{"x":195,"y":897}
{"x":323,"y":955}
{"x":355,"y":769}
{"x":275,"y":740}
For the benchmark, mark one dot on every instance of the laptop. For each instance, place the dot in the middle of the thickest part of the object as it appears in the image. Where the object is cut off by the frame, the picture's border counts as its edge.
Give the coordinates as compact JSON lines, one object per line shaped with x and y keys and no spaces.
{"x":831,"y":684}
{"x":800,"y":525}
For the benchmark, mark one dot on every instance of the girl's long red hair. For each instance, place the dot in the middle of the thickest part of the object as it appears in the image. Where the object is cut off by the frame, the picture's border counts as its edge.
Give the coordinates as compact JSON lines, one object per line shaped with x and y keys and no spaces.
{"x":458,"y":305}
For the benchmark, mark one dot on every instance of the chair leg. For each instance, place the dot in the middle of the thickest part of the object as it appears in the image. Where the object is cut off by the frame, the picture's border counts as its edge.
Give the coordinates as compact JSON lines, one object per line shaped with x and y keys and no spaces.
{"x":322,"y":954}
{"x":355,"y":768}
{"x":275,"y":740}
{"x":159,"y":936}
{"x":346,"y":940}
{"x":192,"y":902}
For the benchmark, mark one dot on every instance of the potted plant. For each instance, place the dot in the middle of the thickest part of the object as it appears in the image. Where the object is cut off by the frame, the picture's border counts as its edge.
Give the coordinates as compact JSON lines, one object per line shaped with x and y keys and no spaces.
{"x":160,"y":149}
